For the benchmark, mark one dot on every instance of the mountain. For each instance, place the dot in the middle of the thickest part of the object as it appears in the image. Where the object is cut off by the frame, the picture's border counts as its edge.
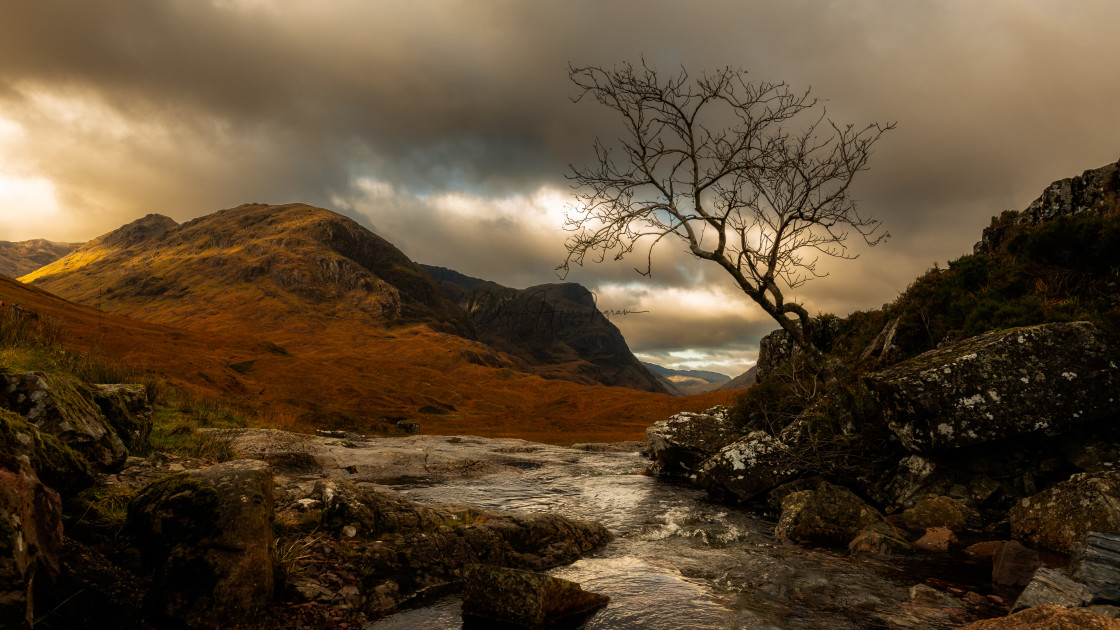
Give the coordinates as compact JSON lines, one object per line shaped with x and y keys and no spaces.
{"x":556,"y":329}
{"x":743,"y":381}
{"x":687,"y":382}
{"x":254,"y":263}
{"x":303,"y":317}
{"x":22,"y":257}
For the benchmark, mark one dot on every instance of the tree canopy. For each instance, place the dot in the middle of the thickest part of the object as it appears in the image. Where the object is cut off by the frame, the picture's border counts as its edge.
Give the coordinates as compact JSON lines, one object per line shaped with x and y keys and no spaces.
{"x":750,"y":175}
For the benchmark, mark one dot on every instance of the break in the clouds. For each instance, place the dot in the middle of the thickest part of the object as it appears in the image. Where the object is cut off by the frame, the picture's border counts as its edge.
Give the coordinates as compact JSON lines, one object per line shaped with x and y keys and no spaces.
{"x":447,"y":126}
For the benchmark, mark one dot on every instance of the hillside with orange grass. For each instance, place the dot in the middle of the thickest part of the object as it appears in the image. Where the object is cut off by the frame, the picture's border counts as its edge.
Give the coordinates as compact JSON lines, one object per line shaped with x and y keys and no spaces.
{"x":290,"y":270}
{"x":414,"y":373}
{"x":299,"y":315}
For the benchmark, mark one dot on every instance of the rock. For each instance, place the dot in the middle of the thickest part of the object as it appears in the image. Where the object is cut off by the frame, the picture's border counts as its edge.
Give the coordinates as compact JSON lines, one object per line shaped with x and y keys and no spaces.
{"x":1050,"y":588}
{"x":939,"y":539}
{"x":681,"y":442}
{"x":905,"y":482}
{"x":828,"y":514}
{"x":930,"y":595}
{"x":64,"y":409}
{"x":126,"y":408}
{"x":1014,"y":564}
{"x":1103,"y":610}
{"x":208,"y":535}
{"x":524,"y":599}
{"x":1047,"y":618}
{"x":880,"y":539}
{"x":939,"y":511}
{"x":777,"y":347}
{"x":983,"y":550}
{"x":1058,"y":518}
{"x":1000,"y":384}
{"x":1092,"y":191}
{"x":1096,"y":564}
{"x":30,"y":538}
{"x":748,"y":467}
{"x":54,"y":463}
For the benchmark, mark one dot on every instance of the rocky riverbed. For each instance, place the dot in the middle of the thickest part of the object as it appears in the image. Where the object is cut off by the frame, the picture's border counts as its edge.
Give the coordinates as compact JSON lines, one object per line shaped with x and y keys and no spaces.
{"x":677,"y":559}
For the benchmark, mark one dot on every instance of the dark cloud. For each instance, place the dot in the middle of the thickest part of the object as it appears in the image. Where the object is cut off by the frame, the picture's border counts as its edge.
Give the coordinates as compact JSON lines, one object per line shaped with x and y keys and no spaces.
{"x":386,"y":111}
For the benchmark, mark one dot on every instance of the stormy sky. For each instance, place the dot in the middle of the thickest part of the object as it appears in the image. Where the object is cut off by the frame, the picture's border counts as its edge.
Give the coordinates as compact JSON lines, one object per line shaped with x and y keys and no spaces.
{"x":447,"y":126}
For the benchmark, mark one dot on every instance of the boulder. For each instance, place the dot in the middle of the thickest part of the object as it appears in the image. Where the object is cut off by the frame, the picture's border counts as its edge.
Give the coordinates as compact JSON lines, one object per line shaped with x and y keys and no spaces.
{"x":208,"y":535}
{"x":1000,"y":384}
{"x":524,"y":599}
{"x":1014,"y":564}
{"x":681,"y":442}
{"x":828,"y":514}
{"x":938,"y":539}
{"x":777,"y":347}
{"x":126,"y":408}
{"x":54,"y":463}
{"x":30,"y":538}
{"x":1059,"y":517}
{"x":1047,"y":618}
{"x":64,"y":409}
{"x":748,"y":467}
{"x":1096,"y":564}
{"x":1050,"y":588}
{"x":940,"y":511}
{"x":880,"y":539}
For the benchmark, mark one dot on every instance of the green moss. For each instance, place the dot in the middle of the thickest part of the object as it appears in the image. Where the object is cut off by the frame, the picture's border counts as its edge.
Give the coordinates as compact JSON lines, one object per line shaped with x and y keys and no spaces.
{"x":56,"y":464}
{"x":176,"y":508}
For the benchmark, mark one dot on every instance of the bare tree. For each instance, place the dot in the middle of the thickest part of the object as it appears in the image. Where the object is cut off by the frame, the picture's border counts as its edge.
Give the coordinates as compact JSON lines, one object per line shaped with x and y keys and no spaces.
{"x":752,"y":176}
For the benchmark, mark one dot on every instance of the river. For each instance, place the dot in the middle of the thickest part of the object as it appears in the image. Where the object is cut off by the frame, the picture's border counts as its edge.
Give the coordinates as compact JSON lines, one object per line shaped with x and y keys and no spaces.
{"x":680,"y":560}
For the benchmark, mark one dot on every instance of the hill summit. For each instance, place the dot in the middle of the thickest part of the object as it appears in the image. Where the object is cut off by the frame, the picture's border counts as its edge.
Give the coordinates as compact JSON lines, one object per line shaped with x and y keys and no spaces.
{"x":256,"y":263}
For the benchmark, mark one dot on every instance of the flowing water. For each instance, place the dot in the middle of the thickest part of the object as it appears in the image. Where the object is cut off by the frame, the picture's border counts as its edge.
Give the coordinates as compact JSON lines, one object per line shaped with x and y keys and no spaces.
{"x":681,"y":561}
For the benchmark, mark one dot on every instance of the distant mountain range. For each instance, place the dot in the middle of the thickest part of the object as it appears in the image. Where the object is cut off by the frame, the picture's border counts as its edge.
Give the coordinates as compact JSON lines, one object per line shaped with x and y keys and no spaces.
{"x":23,"y":257}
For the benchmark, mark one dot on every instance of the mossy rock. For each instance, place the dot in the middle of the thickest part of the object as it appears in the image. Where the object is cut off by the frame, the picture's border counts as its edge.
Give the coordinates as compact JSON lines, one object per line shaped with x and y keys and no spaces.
{"x":56,"y":464}
{"x":175,"y":509}
{"x":127,"y":410}
{"x":208,"y":536}
{"x":64,"y":408}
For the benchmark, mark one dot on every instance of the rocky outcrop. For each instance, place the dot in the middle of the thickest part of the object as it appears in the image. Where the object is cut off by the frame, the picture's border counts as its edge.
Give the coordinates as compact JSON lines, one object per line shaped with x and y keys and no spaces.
{"x":208,"y":535}
{"x":524,"y":599}
{"x":1095,"y":190}
{"x":748,"y":467}
{"x":1096,"y":564}
{"x":128,"y":411}
{"x":30,"y":537}
{"x":1001,"y":384}
{"x":681,"y":442}
{"x":1048,"y":618}
{"x":778,"y":347}
{"x":66,"y":410}
{"x":827,"y":514}
{"x":1059,"y":517}
{"x":1051,"y":588}
{"x":56,"y":464}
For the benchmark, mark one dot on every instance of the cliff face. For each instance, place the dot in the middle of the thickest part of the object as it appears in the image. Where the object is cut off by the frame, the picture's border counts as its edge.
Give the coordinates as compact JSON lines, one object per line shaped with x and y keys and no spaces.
{"x":555,"y":328}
